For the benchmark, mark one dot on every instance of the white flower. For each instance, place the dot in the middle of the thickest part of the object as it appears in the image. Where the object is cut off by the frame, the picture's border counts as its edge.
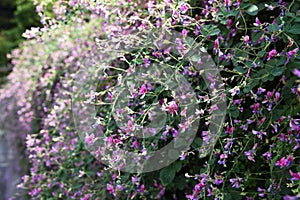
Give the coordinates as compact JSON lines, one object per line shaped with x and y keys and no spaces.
{"x":234,"y":91}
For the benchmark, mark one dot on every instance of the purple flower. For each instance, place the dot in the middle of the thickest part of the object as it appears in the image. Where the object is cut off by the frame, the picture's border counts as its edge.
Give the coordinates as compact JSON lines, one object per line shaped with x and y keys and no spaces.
{"x":296,"y":72}
{"x":263,"y":192}
{"x":184,"y":32}
{"x":218,"y":181}
{"x":205,"y":136}
{"x":250,"y":155}
{"x":167,"y":51}
{"x":222,"y":160}
{"x":147,"y":62}
{"x":288,"y":197}
{"x":268,"y":155}
{"x":229,"y":144}
{"x":294,"y":124}
{"x":260,"y":90}
{"x":235,"y":182}
{"x":259,"y":133}
{"x":270,"y":7}
{"x":290,"y":54}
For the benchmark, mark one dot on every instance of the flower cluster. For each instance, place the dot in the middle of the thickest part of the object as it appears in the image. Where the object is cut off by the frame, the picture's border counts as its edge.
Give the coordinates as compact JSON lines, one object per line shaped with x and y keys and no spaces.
{"x":255,"y":46}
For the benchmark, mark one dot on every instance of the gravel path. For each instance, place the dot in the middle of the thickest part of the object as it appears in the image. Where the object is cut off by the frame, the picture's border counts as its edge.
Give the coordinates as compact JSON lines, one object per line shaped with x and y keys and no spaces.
{"x":9,"y":175}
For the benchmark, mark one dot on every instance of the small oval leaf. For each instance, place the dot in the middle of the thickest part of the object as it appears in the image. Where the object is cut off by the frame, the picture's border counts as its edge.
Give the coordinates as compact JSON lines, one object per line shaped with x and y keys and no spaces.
{"x":252,"y":10}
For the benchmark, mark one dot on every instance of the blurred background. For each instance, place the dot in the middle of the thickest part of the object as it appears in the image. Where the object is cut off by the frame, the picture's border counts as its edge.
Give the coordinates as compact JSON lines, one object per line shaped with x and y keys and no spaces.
{"x":15,"y":17}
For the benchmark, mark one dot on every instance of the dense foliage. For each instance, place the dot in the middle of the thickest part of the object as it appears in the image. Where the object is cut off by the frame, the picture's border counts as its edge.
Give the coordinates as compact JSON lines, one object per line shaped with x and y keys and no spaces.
{"x":254,"y":45}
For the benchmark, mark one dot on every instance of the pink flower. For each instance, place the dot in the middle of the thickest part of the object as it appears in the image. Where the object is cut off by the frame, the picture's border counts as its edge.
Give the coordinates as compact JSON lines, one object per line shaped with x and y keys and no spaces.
{"x":229,"y":130}
{"x":31,"y":33}
{"x":283,"y":162}
{"x":183,"y":112}
{"x":175,"y":14}
{"x":295,"y":176}
{"x":184,"y":32}
{"x":227,"y":2}
{"x":183,"y":8}
{"x":216,"y":46}
{"x":90,"y":139}
{"x":143,"y":89}
{"x":291,"y":53}
{"x":172,"y":107}
{"x":135,"y":144}
{"x":246,"y":39}
{"x":271,"y":54}
{"x":229,"y":23}
{"x":255,"y":107}
{"x":257,"y":22}
{"x":81,"y":173}
{"x":277,"y":96}
{"x":110,"y":188}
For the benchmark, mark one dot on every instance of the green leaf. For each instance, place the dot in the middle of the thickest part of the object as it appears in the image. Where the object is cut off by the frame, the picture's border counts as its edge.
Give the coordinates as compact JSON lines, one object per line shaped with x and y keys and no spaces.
{"x":166,"y":176}
{"x":176,"y":166}
{"x":294,"y":30}
{"x":251,"y":85}
{"x":234,"y":112}
{"x":292,"y":15}
{"x":270,"y":77}
{"x":261,"y":53}
{"x":214,"y":32}
{"x":277,"y":71}
{"x":297,"y":19}
{"x":197,"y":143}
{"x":293,"y":65}
{"x":240,"y":69}
{"x":273,"y":28}
{"x":252,"y":10}
{"x":209,"y":30}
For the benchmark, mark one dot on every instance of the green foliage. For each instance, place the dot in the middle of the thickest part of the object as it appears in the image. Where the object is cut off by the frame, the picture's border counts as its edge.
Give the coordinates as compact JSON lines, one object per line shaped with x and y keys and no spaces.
{"x":15,"y":17}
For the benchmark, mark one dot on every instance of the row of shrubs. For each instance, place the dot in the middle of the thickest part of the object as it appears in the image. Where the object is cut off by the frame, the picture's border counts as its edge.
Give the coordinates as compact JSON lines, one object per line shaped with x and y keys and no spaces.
{"x":254,"y":46}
